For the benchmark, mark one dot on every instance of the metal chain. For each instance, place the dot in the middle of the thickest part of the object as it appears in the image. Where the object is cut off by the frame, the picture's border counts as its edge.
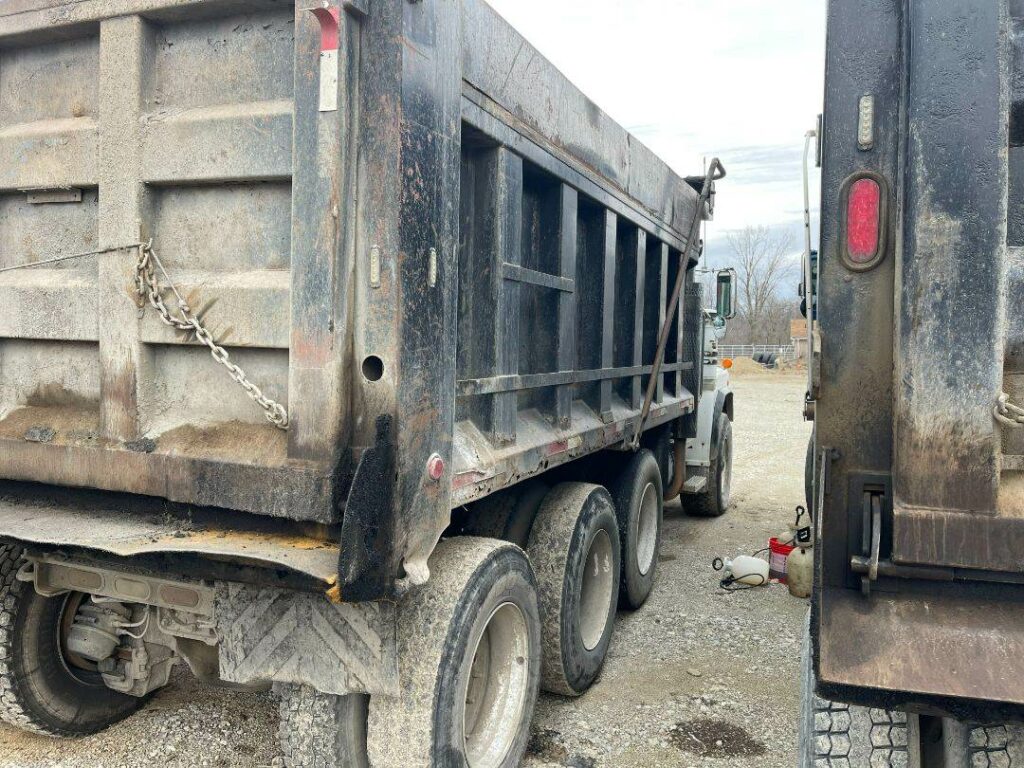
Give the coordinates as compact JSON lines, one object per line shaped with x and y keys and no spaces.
{"x":1008,"y":413}
{"x":148,"y":288}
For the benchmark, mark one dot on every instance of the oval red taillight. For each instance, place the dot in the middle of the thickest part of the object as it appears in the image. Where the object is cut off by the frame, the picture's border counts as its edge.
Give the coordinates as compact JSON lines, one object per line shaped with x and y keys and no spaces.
{"x":863,"y":220}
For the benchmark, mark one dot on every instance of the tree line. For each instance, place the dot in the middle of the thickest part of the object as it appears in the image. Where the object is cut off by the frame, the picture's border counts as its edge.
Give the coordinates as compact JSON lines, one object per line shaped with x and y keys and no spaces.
{"x":768,"y":268}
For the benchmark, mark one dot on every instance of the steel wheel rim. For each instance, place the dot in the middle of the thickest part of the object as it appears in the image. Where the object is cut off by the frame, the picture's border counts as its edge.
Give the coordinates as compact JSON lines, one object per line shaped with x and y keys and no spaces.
{"x":497,"y":688}
{"x":646,"y":532}
{"x":726,"y":471}
{"x":596,"y":590}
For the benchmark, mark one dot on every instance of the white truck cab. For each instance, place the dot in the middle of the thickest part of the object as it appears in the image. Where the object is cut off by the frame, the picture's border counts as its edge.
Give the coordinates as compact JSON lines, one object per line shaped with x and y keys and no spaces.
{"x":709,"y":452}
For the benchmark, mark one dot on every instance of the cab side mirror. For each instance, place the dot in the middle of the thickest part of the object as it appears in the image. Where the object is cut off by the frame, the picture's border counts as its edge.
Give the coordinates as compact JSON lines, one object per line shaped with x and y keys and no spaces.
{"x":725,"y":305}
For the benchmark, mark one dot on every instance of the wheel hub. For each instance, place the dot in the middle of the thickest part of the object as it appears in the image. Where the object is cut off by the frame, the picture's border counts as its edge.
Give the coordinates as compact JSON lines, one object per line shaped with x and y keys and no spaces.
{"x":646,"y":533}
{"x":596,"y":590}
{"x":497,"y":687}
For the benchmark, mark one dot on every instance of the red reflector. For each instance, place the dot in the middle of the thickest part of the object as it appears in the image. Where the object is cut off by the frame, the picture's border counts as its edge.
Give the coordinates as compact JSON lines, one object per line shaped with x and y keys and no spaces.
{"x":863,"y":212}
{"x":329,"y":19}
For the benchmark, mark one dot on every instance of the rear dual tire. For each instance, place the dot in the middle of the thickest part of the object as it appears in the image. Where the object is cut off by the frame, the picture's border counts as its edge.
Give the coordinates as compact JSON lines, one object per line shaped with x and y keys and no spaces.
{"x":639,"y":505}
{"x":469,"y":642}
{"x":837,"y":735}
{"x":320,"y":730}
{"x":575,"y":552}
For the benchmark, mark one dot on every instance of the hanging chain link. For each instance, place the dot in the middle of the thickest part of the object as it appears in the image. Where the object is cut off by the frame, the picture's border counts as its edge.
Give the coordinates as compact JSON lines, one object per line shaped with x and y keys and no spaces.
{"x":148,"y":287}
{"x":1008,"y":413}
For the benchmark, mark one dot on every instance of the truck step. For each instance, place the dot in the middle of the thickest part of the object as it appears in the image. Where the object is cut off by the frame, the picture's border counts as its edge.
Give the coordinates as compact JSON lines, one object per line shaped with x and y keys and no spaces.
{"x":695,"y":484}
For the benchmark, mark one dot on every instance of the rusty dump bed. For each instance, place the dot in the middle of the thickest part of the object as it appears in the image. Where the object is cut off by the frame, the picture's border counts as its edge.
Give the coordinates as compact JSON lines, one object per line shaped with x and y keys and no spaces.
{"x":920,"y":461}
{"x":406,"y":228}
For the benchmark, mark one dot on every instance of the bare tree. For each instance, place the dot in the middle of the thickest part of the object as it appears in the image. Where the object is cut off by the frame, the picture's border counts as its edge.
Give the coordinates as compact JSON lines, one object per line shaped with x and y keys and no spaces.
{"x":762,"y":257}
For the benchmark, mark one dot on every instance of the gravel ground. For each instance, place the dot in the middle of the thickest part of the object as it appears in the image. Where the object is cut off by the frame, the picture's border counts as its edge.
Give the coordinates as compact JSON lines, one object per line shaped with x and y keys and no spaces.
{"x":698,"y":677}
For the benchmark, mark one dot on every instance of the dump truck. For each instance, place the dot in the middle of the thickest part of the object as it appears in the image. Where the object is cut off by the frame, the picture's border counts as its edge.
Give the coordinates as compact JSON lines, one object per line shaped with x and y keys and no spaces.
{"x":346,"y":349}
{"x":916,"y":646}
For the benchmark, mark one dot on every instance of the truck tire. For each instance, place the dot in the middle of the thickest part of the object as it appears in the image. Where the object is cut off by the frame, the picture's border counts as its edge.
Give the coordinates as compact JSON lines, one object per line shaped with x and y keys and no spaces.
{"x":638,"y":496}
{"x":836,"y":735}
{"x":469,"y":663}
{"x":318,"y":730}
{"x":507,"y":515}
{"x":575,"y":552}
{"x":41,"y":690}
{"x":714,"y":500}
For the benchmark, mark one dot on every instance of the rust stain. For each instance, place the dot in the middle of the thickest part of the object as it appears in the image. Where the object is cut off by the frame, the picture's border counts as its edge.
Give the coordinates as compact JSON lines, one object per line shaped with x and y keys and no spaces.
{"x":313,"y":352}
{"x":53,"y":394}
{"x":334,"y":593}
{"x":241,"y":540}
{"x":233,"y":440}
{"x":66,"y":421}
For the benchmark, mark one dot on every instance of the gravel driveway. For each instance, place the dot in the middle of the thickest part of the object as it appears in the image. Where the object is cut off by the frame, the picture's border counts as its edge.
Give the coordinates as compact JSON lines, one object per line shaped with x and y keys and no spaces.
{"x":698,"y":677}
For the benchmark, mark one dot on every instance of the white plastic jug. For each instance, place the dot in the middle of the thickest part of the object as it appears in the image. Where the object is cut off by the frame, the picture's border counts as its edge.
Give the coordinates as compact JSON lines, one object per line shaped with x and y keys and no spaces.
{"x":800,"y":572}
{"x":745,"y":569}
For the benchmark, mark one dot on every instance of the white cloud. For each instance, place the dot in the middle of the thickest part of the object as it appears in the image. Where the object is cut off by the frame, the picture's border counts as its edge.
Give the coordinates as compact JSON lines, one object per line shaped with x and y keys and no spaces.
{"x":741,"y":79}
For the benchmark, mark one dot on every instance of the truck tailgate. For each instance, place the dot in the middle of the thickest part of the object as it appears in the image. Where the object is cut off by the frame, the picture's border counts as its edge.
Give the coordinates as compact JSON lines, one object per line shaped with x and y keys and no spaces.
{"x":921,"y":512}
{"x":178,"y":125}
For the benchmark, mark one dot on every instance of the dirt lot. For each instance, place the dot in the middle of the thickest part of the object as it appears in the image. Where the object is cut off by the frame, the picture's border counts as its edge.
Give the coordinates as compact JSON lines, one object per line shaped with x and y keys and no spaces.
{"x":698,"y":677}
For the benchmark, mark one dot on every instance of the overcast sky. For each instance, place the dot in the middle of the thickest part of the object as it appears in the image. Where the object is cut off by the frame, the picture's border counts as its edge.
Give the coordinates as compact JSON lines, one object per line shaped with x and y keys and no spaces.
{"x":740,"y":79}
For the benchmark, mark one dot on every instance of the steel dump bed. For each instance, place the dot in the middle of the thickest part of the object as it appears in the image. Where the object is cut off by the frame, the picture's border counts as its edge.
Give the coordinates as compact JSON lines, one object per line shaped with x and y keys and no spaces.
{"x":396,"y":220}
{"x":920,"y":461}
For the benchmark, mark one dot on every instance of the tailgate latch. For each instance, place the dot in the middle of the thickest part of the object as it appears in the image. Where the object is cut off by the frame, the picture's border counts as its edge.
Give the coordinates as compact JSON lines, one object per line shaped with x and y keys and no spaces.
{"x":872,"y":537}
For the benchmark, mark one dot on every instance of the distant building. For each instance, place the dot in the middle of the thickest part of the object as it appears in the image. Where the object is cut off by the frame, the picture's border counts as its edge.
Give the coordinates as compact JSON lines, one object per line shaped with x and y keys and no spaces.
{"x":798,"y":337}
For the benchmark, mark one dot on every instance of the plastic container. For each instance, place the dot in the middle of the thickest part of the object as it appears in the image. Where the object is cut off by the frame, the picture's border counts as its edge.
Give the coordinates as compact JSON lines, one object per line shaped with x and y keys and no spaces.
{"x":788,"y":536}
{"x":777,"y":554}
{"x":752,"y":571}
{"x":800,"y":572}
